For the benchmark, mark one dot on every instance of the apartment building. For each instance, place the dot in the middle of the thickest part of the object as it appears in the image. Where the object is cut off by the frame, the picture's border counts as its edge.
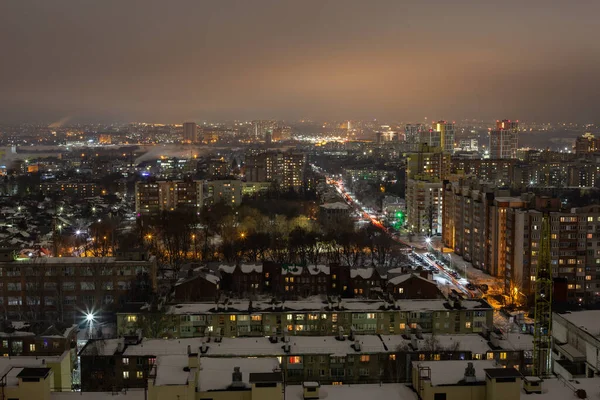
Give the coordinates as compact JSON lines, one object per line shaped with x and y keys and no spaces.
{"x":428,"y":163}
{"x":504,"y":140}
{"x":575,"y":249}
{"x":226,"y":191}
{"x":497,"y":171}
{"x":343,"y":358}
{"x":285,"y":169}
{"x":66,"y":288}
{"x":424,"y":206}
{"x":155,"y":197}
{"x":76,"y":189}
{"x":511,"y":234}
{"x":316,"y":316}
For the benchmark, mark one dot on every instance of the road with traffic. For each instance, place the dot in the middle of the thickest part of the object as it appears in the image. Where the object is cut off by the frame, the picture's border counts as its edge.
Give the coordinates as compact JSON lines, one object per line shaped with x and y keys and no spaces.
{"x":350,"y":199}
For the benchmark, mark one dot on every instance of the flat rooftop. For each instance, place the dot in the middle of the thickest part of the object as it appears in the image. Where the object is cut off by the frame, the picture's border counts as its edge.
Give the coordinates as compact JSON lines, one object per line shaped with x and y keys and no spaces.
{"x":216,"y":373}
{"x":299,"y":345}
{"x":396,"y":391}
{"x":453,"y":371}
{"x":318,"y":304}
{"x":588,"y":320}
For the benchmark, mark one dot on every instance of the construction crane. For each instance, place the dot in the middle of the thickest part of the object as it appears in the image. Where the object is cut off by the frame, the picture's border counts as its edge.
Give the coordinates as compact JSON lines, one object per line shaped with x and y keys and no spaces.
{"x":542,"y":334}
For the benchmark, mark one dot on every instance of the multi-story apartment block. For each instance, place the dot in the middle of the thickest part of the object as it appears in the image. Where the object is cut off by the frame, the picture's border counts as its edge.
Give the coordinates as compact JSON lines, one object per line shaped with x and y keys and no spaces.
{"x":504,"y":140}
{"x":285,"y":169}
{"x":342,"y":358}
{"x":587,"y":143}
{"x":227,"y":191}
{"x":155,"y":197}
{"x":510,"y":228}
{"x":424,"y":201}
{"x":499,"y":172}
{"x":190,"y":132}
{"x":575,"y":249}
{"x":446,"y":135}
{"x":77,"y":189}
{"x":65,"y":288}
{"x":412,"y":135}
{"x":428,"y":163}
{"x":218,"y":168}
{"x":316,"y":316}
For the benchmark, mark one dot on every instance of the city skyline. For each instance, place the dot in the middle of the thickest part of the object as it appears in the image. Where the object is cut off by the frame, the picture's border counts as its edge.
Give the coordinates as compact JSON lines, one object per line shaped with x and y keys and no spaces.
{"x":193,"y":61}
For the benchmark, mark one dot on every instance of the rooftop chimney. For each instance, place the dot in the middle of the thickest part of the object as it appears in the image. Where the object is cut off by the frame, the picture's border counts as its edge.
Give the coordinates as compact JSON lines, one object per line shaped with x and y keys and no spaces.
{"x":236,"y":378}
{"x":470,"y":373}
{"x":203,"y":347}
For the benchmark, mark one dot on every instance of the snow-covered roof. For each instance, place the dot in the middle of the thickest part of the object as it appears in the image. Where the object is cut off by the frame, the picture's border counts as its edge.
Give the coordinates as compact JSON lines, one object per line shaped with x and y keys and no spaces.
{"x":248,"y":268}
{"x":588,"y":320}
{"x":10,"y":365}
{"x":516,"y":341}
{"x":320,"y":304}
{"x":227,"y":268}
{"x":403,"y":278}
{"x":364,"y":273}
{"x":396,"y":391}
{"x":169,"y":370}
{"x":452,"y":372}
{"x":102,"y":347}
{"x":335,"y":206}
{"x":216,"y":373}
{"x":129,"y":394}
{"x":474,"y":343}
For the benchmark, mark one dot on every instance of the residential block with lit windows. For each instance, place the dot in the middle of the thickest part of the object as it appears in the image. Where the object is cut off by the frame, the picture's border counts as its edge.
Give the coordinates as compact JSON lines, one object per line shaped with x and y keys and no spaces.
{"x":155,"y":197}
{"x":284,"y":169}
{"x":66,"y":288}
{"x":314,"y":317}
{"x":501,"y":235}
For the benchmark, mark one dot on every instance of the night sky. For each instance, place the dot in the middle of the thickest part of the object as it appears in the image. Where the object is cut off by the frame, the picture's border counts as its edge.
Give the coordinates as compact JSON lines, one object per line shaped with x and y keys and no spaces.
{"x":176,"y":60}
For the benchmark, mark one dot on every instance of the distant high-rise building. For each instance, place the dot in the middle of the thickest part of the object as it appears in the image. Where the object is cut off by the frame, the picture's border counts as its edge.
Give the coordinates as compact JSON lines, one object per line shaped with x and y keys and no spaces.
{"x":504,"y":139}
{"x":428,"y":164}
{"x":587,"y":143}
{"x":412,"y":135}
{"x":430,"y":137}
{"x":154,"y":197}
{"x":190,"y":132}
{"x":260,"y":128}
{"x":446,"y":134}
{"x":286,"y":169}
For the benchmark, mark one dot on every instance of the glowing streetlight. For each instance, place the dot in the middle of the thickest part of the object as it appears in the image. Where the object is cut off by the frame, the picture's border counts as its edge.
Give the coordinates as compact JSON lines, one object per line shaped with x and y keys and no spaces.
{"x":428,"y":240}
{"x":242,"y":235}
{"x":89,"y":317}
{"x":78,"y":232}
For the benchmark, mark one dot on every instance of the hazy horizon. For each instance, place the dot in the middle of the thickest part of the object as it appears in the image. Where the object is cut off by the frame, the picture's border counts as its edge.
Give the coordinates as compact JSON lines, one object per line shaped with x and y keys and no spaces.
{"x":152,"y":60}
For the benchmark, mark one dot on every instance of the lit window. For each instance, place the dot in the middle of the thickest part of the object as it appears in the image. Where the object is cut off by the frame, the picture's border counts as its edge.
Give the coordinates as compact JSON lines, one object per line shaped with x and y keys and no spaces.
{"x":503,"y":356}
{"x":232,"y":317}
{"x":490,"y":356}
{"x":125,"y":361}
{"x":132,"y":318}
{"x":125,"y":374}
{"x":295,"y":360}
{"x":139,"y":374}
{"x":392,"y":357}
{"x":402,"y":326}
{"x":32,"y":347}
{"x":257,"y":318}
{"x":467,"y":325}
{"x":365,"y":358}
